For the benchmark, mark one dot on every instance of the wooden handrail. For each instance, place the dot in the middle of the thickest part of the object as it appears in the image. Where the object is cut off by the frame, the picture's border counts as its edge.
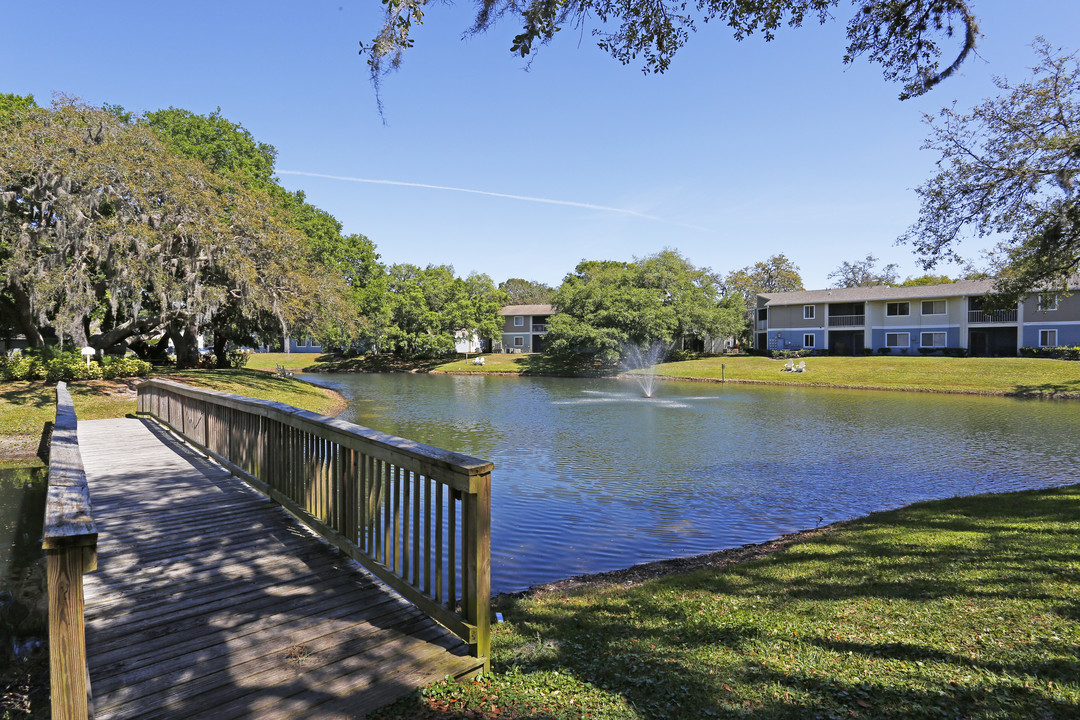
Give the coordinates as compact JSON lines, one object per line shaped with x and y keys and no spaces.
{"x":416,"y":516}
{"x":70,"y":543}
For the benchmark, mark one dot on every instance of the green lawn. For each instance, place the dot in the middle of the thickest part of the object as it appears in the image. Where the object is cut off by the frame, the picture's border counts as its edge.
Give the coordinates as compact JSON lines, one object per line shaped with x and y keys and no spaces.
{"x":1008,"y":376}
{"x":965,"y":608}
{"x":26,"y":407}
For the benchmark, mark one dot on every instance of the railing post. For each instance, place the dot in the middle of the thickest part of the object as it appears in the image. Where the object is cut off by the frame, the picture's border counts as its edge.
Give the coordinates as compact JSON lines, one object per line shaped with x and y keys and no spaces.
{"x":70,"y":543}
{"x":478,"y":590}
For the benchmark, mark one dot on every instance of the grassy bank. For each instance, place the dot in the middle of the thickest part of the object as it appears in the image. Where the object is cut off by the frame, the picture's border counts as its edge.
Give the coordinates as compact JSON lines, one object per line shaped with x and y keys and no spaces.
{"x":965,"y":608}
{"x":26,"y":408}
{"x":1029,"y":377}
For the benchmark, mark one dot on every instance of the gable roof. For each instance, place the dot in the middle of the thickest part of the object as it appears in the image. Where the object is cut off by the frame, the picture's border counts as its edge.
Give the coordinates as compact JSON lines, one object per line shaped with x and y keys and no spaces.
{"x":527,"y":310}
{"x":879,"y":292}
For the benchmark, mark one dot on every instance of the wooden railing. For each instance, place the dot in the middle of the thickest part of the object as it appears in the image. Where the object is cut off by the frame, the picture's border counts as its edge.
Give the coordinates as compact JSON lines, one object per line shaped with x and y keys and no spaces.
{"x":70,"y":542}
{"x":417,"y":517}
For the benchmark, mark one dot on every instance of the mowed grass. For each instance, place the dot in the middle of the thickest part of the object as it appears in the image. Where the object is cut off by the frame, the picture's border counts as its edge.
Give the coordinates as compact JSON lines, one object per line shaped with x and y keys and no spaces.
{"x":998,"y":376}
{"x":1004,"y":376}
{"x":27,"y":407}
{"x":964,"y":608}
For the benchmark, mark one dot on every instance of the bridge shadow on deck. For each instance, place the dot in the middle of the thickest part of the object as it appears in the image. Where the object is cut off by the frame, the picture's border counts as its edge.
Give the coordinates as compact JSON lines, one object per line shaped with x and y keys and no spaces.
{"x":212,"y":601}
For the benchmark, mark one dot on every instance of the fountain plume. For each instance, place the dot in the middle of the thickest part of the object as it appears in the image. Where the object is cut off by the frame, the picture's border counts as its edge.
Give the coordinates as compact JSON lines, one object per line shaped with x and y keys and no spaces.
{"x":642,"y":359}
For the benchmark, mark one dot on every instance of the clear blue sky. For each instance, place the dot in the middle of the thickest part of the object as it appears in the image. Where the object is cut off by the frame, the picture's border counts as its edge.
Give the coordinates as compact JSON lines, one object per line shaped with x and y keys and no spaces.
{"x":740,"y":151}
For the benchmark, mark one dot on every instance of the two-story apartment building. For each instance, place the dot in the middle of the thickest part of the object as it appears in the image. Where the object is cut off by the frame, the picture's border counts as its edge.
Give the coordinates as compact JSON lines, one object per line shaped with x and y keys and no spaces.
{"x":844,"y":321}
{"x":524,"y":327}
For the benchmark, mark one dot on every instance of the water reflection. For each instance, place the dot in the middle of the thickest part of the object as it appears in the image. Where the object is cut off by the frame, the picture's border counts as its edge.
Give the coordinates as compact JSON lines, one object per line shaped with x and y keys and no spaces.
{"x":590,"y":476}
{"x":23,"y":581}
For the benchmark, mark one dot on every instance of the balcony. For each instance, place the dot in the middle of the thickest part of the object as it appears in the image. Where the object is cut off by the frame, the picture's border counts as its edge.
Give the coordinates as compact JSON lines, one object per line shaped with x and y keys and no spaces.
{"x":846,"y":320}
{"x":997,"y":316}
{"x":539,"y":327}
{"x":762,"y":324}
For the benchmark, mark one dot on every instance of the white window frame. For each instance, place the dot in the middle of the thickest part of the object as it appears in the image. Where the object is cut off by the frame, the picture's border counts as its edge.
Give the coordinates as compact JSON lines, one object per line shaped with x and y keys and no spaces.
{"x":809,"y":312}
{"x":808,"y":340}
{"x":944,"y":342}
{"x":1046,"y":335}
{"x":1048,"y":302}
{"x":898,"y":303}
{"x":519,"y":341}
{"x":944,"y":305}
{"x":519,"y":321}
{"x":907,"y":339}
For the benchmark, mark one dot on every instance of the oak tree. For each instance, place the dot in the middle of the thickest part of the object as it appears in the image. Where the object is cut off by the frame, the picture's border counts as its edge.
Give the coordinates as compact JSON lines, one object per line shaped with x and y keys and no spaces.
{"x":1009,"y":172}
{"x":907,"y":37}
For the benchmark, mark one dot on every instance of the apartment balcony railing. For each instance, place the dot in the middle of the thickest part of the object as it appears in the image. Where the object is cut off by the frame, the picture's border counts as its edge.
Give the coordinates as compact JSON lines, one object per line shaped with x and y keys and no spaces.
{"x":762,"y":324}
{"x":539,"y":327}
{"x":846,"y":320}
{"x":997,"y":316}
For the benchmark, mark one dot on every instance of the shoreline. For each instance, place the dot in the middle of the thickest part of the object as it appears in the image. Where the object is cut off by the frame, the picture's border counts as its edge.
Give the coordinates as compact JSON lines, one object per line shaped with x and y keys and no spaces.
{"x":643,"y":572}
{"x":768,"y":383}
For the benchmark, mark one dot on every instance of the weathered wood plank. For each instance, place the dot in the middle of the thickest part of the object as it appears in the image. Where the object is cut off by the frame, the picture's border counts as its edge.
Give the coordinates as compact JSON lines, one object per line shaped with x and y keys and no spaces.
{"x":242,"y":612}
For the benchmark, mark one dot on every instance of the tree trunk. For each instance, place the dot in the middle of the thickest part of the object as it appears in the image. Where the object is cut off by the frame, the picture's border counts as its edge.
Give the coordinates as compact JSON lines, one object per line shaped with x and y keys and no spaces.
{"x":220,"y":350}
{"x":186,"y":340}
{"x":24,"y":317}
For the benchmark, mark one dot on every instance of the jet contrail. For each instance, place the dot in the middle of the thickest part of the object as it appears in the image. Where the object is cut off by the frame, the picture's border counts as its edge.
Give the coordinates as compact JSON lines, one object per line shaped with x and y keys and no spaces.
{"x":549,"y":201}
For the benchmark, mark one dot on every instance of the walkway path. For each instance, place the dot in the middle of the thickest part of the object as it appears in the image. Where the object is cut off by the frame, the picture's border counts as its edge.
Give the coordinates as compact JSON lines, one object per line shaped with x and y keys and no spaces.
{"x":210,"y":601}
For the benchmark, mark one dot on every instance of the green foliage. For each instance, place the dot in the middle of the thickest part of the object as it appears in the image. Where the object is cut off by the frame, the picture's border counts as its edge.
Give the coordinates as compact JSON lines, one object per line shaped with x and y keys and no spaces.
{"x":225,"y":147}
{"x":863,"y":273}
{"x":928,"y":279}
{"x":426,"y":307}
{"x":1062,"y":352}
{"x":605,"y":306}
{"x":961,"y":608}
{"x":904,"y":37}
{"x":124,"y":367}
{"x":1009,"y":169}
{"x":527,"y":292}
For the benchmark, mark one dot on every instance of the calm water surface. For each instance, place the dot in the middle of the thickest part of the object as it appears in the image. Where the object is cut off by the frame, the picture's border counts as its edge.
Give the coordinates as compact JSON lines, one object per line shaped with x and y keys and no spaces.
{"x":590,"y":476}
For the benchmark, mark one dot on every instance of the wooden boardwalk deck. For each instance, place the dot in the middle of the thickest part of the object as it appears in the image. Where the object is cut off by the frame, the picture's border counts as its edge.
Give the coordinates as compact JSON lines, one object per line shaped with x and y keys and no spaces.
{"x":210,"y":601}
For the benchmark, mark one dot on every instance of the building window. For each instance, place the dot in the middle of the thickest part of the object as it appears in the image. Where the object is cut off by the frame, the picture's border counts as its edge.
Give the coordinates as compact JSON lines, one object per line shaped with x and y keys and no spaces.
{"x":897,"y":309}
{"x":763,"y":314}
{"x":1048,"y":301}
{"x":808,"y":339}
{"x":1048,"y":338}
{"x":934,"y":339}
{"x":519,"y":320}
{"x":808,"y":312}
{"x":518,"y":342}
{"x":898,"y":340}
{"x":933,"y":307}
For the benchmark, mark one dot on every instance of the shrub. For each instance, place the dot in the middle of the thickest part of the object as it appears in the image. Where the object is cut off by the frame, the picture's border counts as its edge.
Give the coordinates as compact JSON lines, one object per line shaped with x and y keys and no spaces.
{"x":125,"y":367}
{"x":884,"y":350}
{"x":238,"y":358}
{"x":21,"y":366}
{"x":1060,"y":352}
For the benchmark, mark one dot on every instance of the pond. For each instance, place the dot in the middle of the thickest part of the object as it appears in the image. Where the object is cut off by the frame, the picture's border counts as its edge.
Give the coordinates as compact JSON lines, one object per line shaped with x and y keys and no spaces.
{"x":23,"y":598}
{"x":590,"y":476}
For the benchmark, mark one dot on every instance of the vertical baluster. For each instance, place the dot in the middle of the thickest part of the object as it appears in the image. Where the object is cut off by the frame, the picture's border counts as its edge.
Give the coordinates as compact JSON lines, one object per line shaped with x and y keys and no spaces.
{"x":438,"y":558}
{"x":427,"y":535}
{"x":406,"y":547}
{"x":417,"y":479}
{"x":351,"y":482}
{"x":364,"y":511}
{"x":395,"y":557}
{"x":451,"y":553}
{"x":387,"y":549}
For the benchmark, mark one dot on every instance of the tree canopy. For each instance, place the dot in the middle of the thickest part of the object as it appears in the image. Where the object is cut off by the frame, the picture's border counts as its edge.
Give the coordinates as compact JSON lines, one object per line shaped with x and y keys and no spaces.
{"x":1008,"y":170}
{"x":527,"y":292}
{"x":111,"y":236}
{"x":776,"y":274}
{"x":604,"y":307}
{"x":864,"y":273}
{"x":907,"y":37}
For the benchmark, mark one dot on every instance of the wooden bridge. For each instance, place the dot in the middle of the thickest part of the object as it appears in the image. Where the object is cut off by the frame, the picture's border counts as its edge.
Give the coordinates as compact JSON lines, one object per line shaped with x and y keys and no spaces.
{"x":227,"y":581}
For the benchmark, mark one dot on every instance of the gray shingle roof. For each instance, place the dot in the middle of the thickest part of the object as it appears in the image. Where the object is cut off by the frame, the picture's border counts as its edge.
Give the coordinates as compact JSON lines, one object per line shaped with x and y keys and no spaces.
{"x":879,"y":292}
{"x":527,"y":310}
